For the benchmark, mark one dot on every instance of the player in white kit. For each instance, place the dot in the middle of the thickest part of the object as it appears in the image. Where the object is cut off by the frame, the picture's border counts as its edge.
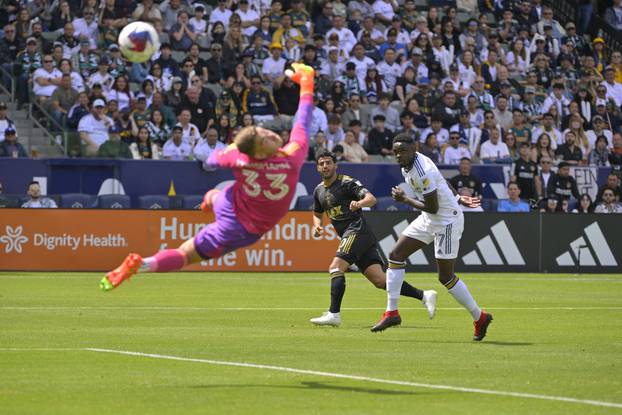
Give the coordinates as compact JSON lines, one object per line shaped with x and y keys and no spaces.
{"x":441,"y":221}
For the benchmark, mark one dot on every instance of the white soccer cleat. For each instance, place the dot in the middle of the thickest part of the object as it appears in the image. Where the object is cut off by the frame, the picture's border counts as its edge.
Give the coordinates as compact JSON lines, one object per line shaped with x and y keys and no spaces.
{"x":327,"y":319}
{"x":429,"y":302}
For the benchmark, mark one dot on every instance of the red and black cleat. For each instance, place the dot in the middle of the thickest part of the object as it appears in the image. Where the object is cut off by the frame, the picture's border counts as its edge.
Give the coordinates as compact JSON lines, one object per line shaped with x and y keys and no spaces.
{"x":481,"y":326}
{"x":389,"y":319}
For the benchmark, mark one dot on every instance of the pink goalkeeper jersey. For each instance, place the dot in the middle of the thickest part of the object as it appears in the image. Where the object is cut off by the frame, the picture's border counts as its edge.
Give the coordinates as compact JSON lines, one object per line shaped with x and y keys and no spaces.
{"x":263,"y":189}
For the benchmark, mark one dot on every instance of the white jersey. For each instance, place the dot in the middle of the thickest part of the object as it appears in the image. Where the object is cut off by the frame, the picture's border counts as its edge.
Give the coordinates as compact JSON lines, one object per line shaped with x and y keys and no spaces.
{"x":424,"y":178}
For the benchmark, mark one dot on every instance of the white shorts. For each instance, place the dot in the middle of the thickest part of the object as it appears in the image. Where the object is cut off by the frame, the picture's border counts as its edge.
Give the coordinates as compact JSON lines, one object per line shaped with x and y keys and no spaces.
{"x":446,"y":237}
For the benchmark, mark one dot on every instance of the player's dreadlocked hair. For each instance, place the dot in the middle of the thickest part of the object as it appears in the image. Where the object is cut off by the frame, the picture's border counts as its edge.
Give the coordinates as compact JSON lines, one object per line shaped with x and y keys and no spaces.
{"x":245,"y":140}
{"x":403,"y":138}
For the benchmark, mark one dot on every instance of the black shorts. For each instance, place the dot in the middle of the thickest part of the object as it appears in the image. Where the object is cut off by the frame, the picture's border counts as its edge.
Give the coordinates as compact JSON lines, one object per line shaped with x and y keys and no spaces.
{"x":361,"y":249}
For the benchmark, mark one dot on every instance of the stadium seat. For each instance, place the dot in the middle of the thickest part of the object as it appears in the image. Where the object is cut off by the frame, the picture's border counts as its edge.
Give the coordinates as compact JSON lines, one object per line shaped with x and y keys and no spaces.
{"x":77,"y":201}
{"x":304,"y":203}
{"x":153,"y":202}
{"x":114,"y":202}
{"x":192,"y":202}
{"x":490,"y":205}
{"x":387,"y":203}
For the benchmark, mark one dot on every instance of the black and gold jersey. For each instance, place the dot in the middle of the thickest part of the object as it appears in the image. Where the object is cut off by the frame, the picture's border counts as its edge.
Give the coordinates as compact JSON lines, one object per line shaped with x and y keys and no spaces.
{"x":335,"y":201}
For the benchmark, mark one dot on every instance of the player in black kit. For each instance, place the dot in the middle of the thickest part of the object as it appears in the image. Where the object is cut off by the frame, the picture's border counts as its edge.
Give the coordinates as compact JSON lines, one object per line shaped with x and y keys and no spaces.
{"x":341,"y":197}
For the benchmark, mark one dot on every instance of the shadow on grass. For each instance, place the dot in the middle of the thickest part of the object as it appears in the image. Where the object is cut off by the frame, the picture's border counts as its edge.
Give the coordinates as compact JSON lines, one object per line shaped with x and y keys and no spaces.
{"x":490,"y":342}
{"x":317,"y":386}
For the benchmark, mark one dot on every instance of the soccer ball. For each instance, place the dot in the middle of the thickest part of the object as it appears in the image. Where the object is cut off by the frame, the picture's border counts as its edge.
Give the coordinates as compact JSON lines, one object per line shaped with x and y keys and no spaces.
{"x":138,"y":41}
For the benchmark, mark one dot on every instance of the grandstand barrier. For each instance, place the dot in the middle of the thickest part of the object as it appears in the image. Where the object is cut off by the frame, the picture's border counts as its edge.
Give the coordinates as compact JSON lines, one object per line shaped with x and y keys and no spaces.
{"x":154,"y":177}
{"x":97,"y":240}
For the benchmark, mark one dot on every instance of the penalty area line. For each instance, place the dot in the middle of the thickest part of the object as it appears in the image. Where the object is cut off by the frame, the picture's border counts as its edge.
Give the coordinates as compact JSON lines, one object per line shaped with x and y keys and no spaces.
{"x":362,"y":378}
{"x":189,"y":308}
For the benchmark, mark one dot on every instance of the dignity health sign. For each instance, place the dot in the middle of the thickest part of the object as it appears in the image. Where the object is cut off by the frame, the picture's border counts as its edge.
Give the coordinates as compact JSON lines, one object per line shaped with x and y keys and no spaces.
{"x":98,"y":240}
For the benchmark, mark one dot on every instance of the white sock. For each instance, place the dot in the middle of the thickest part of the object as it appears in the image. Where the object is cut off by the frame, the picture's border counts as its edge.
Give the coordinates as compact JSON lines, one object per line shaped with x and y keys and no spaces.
{"x":395,"y":278}
{"x":462,"y":295}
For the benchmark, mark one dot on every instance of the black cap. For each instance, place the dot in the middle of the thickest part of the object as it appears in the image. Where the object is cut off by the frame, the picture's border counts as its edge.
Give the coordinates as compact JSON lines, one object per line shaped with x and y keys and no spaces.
{"x":3,"y":105}
{"x":350,"y":65}
{"x":177,"y":128}
{"x":453,"y":67}
{"x":563,"y":164}
{"x":379,"y":117}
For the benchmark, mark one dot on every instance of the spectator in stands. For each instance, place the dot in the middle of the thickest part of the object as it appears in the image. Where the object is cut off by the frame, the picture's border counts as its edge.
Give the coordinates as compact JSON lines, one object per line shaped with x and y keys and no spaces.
{"x":176,"y":148}
{"x":392,"y":116}
{"x":62,"y":100}
{"x":510,"y":141}
{"x":318,"y":145}
{"x":5,"y":122}
{"x":223,"y":126}
{"x":356,"y":112}
{"x":455,"y":151}
{"x":613,"y":15}
{"x":447,"y":111}
{"x":114,"y":147}
{"x":514,"y":203}
{"x":609,"y":204}
{"x":259,"y":102}
{"x":190,"y":132}
{"x":143,"y":147}
{"x":380,"y":139}
{"x":182,"y":33}
{"x":45,"y":80}
{"x":147,"y":12}
{"x":286,"y":97}
{"x":494,"y":150}
{"x":353,"y":152}
{"x":206,"y":146}
{"x":93,"y":128}
{"x":525,"y":172}
{"x":61,"y":16}
{"x":544,"y":177}
{"x":599,"y":156}
{"x":430,"y":148}
{"x":584,"y":204}
{"x":436,"y":127}
{"x":121,"y":93}
{"x":613,"y":183}
{"x":334,"y":134}
{"x":10,"y":46}
{"x":564,"y":186}
{"x":465,"y":182}
{"x":87,"y":26}
{"x":36,"y":200}
{"x":10,"y":147}
{"x":159,"y":130}
{"x":201,"y":110}
{"x":569,"y":152}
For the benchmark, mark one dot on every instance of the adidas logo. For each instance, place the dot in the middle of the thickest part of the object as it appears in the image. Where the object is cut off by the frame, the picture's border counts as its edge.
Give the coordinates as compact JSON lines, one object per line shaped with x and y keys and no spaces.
{"x":487,"y":252}
{"x":155,"y":206}
{"x":387,"y":243}
{"x":116,"y":205}
{"x":581,"y":254}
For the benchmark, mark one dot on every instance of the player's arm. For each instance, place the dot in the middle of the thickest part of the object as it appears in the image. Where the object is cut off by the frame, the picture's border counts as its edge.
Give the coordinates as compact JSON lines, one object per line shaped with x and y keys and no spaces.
{"x":467,"y":201}
{"x":367,"y":201}
{"x":318,"y":222}
{"x":302,"y":75}
{"x":318,"y":216}
{"x":429,"y":204}
{"x":363,"y":198}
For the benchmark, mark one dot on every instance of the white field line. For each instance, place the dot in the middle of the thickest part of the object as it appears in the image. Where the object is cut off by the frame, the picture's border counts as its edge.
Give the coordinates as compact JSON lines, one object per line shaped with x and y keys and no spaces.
{"x":40,"y":349}
{"x":320,"y":278}
{"x":175,"y":308}
{"x":365,"y":378}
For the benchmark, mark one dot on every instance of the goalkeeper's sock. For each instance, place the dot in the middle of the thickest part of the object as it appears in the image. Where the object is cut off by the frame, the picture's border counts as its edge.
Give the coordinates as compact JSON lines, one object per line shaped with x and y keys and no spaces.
{"x":164,"y":261}
{"x":337,"y":290}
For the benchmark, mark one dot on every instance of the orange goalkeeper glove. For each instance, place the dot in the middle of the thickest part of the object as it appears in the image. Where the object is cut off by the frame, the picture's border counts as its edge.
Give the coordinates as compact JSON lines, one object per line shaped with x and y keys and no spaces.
{"x":303,"y":75}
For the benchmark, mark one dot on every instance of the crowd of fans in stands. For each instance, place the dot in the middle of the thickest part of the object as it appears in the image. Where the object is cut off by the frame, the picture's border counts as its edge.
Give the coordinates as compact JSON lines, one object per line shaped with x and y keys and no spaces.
{"x":508,"y":85}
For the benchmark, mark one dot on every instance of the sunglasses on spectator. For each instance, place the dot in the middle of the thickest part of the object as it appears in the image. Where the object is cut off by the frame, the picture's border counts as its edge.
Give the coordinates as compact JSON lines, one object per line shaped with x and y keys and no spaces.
{"x":489,"y":117}
{"x":545,"y":162}
{"x":216,"y":49}
{"x":48,"y":61}
{"x":256,"y":83}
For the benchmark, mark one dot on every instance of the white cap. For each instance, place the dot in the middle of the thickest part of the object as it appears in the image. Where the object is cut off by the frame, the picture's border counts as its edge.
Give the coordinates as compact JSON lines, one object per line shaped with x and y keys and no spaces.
{"x":99,"y":103}
{"x":600,"y":102}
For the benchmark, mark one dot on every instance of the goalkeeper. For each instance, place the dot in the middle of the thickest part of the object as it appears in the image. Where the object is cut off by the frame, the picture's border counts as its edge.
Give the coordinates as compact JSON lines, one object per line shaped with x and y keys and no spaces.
{"x":266,"y":173}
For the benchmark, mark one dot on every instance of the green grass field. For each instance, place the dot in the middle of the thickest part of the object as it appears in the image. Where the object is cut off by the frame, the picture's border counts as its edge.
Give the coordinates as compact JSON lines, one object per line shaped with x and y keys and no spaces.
{"x":553,"y":336}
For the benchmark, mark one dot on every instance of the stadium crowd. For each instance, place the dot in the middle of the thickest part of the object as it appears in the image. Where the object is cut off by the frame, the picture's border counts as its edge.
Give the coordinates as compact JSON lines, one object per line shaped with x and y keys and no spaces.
{"x":509,"y":85}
